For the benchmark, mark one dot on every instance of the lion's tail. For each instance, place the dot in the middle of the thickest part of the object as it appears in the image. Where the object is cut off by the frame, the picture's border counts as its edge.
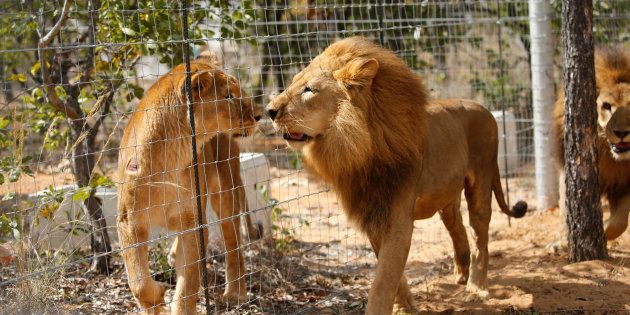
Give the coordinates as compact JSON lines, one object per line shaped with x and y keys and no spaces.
{"x":518,"y":210}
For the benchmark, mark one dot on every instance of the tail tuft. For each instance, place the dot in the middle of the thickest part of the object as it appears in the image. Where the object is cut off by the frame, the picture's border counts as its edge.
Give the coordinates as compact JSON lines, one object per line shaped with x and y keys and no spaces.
{"x":519,"y":209}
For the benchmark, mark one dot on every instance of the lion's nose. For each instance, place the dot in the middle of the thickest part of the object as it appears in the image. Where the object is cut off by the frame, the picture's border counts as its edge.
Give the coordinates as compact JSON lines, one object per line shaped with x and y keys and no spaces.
{"x":621,"y":134}
{"x":272,"y":113}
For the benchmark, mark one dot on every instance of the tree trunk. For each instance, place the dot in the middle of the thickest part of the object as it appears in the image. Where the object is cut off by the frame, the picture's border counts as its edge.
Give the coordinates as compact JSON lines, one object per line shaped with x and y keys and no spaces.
{"x":584,"y":214}
{"x":83,"y":164}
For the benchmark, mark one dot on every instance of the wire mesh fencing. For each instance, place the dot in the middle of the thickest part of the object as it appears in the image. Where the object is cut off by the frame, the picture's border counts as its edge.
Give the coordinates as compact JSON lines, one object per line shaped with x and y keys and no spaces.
{"x":121,"y":121}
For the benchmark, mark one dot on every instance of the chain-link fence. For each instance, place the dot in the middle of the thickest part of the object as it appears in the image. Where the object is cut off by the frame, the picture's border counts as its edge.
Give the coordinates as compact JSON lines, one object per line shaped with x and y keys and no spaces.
{"x":75,"y":75}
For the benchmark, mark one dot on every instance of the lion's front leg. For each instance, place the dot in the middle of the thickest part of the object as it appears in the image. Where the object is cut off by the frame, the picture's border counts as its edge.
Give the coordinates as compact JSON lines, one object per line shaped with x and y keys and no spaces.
{"x":618,"y":221}
{"x":393,"y":249}
{"x":227,"y":196}
{"x":404,"y":300}
{"x":226,"y":205}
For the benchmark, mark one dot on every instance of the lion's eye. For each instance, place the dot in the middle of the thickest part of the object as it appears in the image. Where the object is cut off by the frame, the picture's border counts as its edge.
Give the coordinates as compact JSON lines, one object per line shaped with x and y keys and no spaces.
{"x":607,"y":106}
{"x":229,"y":96}
{"x":308,"y":89}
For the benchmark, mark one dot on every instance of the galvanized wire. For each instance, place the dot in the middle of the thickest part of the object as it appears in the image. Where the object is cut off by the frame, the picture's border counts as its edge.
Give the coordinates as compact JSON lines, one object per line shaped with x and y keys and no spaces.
{"x":195,"y":160}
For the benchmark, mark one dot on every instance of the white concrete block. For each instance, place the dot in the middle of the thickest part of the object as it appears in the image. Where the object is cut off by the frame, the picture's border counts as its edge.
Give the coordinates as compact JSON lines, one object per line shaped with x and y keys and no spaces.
{"x":511,"y":154}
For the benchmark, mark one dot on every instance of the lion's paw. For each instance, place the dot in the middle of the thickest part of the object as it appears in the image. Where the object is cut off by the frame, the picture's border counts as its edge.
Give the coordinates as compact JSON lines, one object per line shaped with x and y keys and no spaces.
{"x":235,"y":297}
{"x":461,"y":278}
{"x":157,"y":310}
{"x":476,"y":295}
{"x":400,"y":309}
{"x":150,"y":295}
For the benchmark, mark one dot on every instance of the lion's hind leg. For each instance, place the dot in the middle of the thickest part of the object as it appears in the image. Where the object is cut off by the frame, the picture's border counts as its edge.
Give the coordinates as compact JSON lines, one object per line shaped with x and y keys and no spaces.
{"x":187,"y":258}
{"x":452,"y":219}
{"x":479,"y":198}
{"x":133,"y":228}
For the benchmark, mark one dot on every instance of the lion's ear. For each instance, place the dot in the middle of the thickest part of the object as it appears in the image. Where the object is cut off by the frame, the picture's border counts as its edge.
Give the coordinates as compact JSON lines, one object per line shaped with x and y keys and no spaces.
{"x":357,"y":72}
{"x":201,"y":82}
{"x":210,"y":58}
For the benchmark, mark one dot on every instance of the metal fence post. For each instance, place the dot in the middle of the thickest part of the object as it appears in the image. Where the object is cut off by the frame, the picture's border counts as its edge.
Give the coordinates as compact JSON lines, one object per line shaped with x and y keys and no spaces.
{"x":543,"y":96}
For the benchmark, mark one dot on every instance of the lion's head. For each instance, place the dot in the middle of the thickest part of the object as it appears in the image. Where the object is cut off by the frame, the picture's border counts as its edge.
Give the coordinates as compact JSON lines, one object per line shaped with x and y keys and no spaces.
{"x":161,"y":117}
{"x":357,"y":113}
{"x":613,"y":116}
{"x":219,"y":103}
{"x":613,"y":100}
{"x":350,"y":104}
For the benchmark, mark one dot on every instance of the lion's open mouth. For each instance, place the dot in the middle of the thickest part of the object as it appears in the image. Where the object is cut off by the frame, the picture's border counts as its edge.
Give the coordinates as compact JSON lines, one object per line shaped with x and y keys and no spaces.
{"x":296,"y":136}
{"x":620,"y":147}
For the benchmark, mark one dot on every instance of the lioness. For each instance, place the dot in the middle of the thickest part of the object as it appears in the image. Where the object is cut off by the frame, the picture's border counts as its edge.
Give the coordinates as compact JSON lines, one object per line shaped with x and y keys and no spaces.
{"x":157,"y":185}
{"x":612,"y":77}
{"x":363,"y":123}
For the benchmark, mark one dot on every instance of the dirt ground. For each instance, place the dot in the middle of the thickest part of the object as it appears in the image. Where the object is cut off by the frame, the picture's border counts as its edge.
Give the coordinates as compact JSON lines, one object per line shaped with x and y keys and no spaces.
{"x":528,"y":268}
{"x":324,"y":266}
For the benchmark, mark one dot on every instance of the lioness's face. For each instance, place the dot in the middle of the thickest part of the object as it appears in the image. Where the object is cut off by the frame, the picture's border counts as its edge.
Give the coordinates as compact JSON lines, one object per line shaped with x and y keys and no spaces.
{"x":222,"y":106}
{"x":613,"y":109}
{"x":303,"y":112}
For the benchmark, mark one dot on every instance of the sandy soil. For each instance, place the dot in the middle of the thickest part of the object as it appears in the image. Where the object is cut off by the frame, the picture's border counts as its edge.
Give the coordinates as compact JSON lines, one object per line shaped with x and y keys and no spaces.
{"x":528,"y":270}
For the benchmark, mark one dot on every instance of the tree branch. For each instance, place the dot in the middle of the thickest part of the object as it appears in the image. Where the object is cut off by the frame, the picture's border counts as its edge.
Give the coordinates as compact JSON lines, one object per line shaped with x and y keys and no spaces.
{"x":55,"y":101}
{"x":45,"y":41}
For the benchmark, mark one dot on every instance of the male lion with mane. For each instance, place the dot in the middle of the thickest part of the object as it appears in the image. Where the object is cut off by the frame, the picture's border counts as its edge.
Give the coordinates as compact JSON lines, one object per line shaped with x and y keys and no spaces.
{"x":363,"y":123}
{"x":612,"y":77}
{"x":157,"y":184}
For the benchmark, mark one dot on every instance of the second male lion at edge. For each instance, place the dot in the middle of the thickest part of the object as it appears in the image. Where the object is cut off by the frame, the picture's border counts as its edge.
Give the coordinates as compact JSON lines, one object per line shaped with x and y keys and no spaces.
{"x":157,"y":186}
{"x":362,"y":120}
{"x":612,"y":78}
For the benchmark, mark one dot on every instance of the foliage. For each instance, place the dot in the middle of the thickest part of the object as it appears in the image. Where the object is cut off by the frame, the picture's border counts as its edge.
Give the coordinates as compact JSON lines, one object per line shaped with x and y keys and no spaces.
{"x":283,"y":236}
{"x":496,"y":87}
{"x":72,"y":61}
{"x":611,"y":20}
{"x":138,"y":28}
{"x":50,"y":202}
{"x":9,"y":227}
{"x":158,"y":258}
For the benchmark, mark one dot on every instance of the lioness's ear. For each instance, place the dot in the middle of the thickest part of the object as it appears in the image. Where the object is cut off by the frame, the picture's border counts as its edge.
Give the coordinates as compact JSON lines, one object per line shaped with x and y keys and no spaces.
{"x":210,"y":58}
{"x":357,"y":72}
{"x":201,"y":82}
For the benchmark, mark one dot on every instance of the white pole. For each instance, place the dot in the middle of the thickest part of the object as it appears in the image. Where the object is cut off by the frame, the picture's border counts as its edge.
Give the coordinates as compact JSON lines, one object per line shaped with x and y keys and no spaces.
{"x":543,"y":97}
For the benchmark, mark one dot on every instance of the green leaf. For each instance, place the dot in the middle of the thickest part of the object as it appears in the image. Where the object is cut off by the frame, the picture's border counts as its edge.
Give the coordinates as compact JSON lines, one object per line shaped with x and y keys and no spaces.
{"x":127,"y":31}
{"x":239,"y":24}
{"x":8,"y":196}
{"x":61,"y":92}
{"x":138,"y":91}
{"x":1,"y":179}
{"x":82,"y":193}
{"x":21,"y":77}
{"x":27,"y":170}
{"x":14,"y":174}
{"x":35,"y":68}
{"x":8,"y":227}
{"x":4,"y":122}
{"x":101,"y":181}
